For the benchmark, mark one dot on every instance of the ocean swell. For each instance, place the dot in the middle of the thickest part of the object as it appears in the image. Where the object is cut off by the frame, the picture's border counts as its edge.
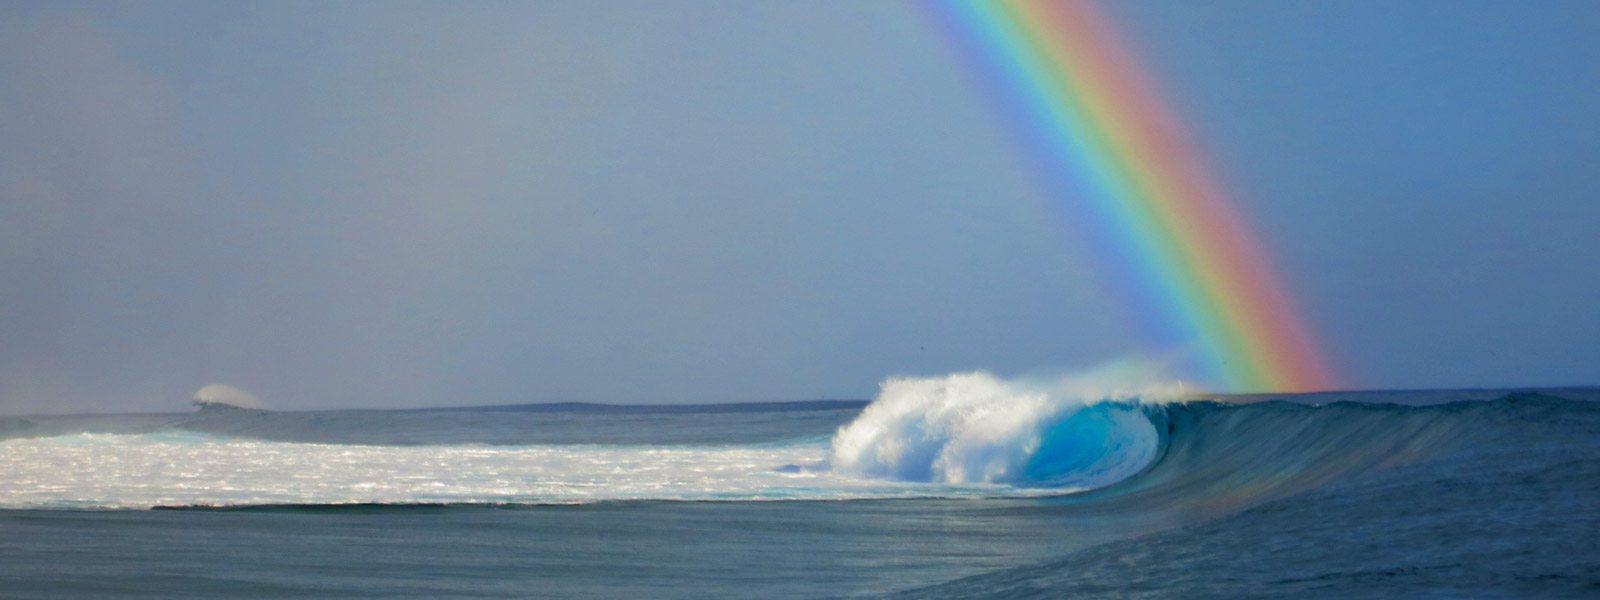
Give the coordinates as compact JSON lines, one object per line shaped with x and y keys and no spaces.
{"x":1107,"y":447}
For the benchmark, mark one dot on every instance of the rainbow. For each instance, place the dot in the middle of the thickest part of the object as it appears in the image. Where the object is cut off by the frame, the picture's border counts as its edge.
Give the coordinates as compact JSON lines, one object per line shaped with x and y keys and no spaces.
{"x":1128,"y":183}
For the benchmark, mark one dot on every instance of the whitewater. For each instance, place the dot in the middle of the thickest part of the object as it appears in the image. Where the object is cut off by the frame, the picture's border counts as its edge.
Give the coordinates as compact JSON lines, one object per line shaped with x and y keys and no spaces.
{"x":963,"y":435}
{"x":966,"y":485}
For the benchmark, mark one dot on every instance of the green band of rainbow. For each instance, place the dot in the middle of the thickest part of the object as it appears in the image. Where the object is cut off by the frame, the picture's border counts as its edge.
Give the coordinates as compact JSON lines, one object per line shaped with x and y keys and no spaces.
{"x":1125,"y":173}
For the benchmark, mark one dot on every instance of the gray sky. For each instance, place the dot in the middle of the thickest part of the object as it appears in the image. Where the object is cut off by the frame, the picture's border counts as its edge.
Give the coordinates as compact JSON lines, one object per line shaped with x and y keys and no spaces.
{"x":409,"y":204}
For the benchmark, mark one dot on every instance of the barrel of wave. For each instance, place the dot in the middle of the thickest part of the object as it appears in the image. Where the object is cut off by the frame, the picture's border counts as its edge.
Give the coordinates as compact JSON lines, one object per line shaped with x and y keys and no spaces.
{"x":1070,"y":432}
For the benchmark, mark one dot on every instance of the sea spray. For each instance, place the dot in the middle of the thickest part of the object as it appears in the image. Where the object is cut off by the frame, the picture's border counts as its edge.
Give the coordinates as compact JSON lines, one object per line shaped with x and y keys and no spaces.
{"x":221,"y":394}
{"x":1076,"y":432}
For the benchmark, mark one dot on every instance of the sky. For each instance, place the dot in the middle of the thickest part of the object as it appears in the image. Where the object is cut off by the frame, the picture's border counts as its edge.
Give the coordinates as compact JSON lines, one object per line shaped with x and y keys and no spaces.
{"x":405,"y":204}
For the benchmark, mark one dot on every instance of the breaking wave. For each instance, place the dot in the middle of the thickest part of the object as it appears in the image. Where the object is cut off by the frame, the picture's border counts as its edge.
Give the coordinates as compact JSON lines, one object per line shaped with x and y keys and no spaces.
{"x":1070,"y":433}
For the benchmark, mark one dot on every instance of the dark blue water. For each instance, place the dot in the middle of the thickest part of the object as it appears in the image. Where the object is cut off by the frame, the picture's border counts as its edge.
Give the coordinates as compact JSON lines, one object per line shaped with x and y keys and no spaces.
{"x":1451,"y":494}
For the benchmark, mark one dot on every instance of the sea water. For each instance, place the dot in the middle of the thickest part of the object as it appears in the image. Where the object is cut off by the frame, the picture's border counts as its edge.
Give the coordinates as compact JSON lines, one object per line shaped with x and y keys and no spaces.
{"x":960,"y":486}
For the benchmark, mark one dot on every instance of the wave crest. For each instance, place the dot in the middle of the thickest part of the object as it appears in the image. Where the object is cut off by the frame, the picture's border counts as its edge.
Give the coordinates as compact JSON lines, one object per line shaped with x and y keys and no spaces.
{"x":1069,"y":432}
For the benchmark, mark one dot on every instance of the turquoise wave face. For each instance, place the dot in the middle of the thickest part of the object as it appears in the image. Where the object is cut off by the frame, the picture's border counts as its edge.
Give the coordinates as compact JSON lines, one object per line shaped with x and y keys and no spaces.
{"x":1093,"y":447}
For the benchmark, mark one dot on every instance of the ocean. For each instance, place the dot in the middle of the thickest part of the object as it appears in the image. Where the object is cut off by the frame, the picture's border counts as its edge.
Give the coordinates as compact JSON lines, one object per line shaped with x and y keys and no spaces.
{"x":941,"y":488}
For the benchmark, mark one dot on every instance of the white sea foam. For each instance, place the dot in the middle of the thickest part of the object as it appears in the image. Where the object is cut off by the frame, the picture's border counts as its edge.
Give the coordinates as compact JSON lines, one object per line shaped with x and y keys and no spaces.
{"x":1071,"y":432}
{"x":184,"y":469}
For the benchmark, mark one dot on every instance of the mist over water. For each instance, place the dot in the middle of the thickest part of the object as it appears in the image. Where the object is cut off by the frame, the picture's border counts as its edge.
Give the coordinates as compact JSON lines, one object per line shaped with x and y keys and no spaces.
{"x":221,"y":393}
